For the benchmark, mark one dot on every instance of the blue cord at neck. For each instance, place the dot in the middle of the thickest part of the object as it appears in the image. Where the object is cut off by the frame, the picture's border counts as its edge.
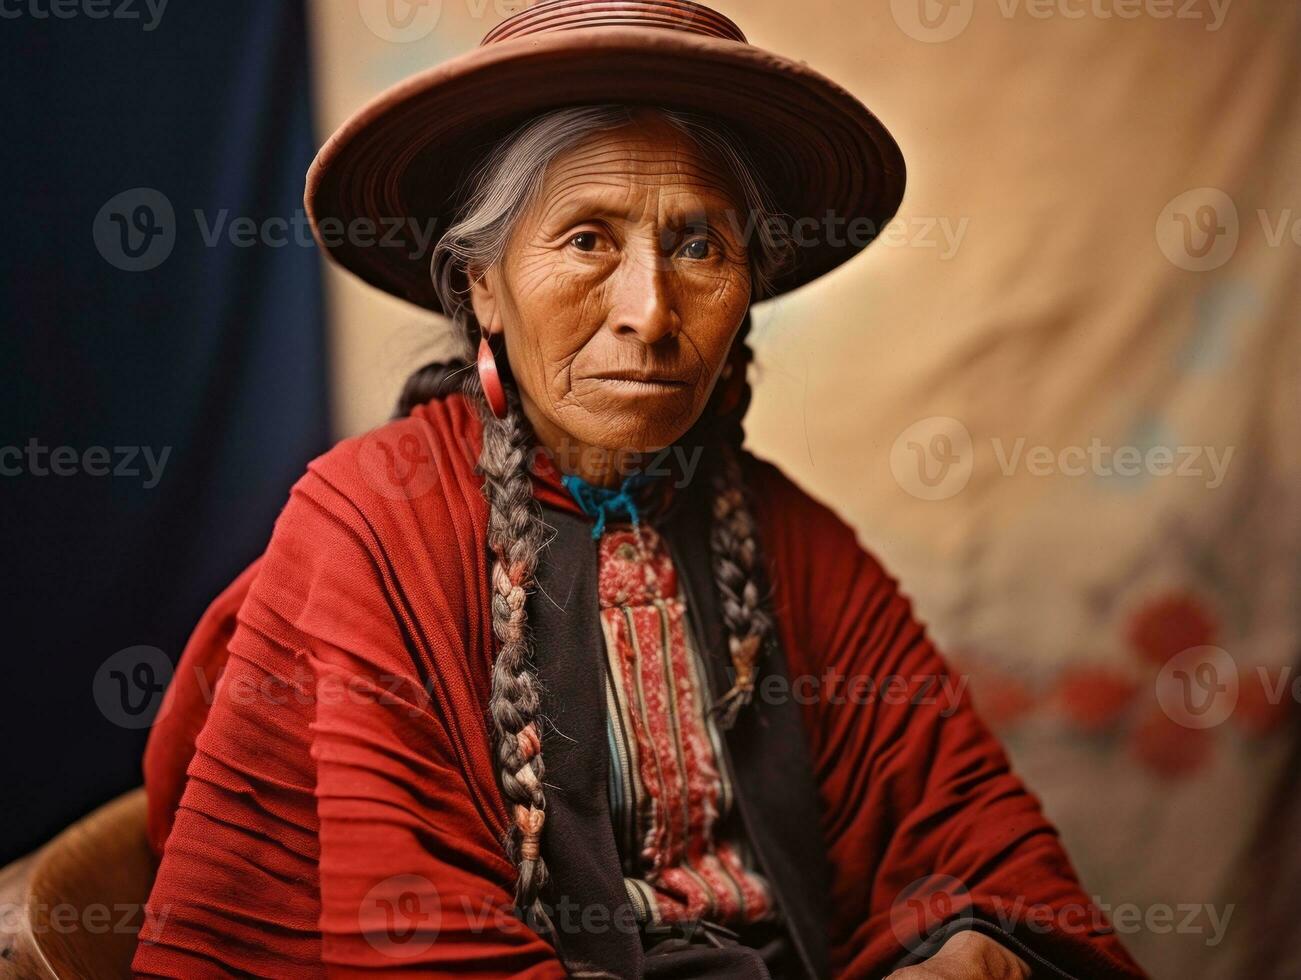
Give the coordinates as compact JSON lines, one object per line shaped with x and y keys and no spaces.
{"x":603,"y":502}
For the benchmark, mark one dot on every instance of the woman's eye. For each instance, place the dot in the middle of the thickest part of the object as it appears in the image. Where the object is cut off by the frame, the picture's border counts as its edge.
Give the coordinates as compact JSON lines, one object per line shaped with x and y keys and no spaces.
{"x":697,"y":248}
{"x":584,"y":241}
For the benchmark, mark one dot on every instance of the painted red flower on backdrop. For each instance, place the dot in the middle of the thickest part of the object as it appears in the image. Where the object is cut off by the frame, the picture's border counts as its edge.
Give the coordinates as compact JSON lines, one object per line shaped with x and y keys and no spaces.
{"x":1169,"y":624}
{"x":1095,"y":698}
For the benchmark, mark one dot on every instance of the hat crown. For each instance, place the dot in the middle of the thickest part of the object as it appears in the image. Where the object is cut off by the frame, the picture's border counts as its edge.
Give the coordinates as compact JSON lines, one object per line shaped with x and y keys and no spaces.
{"x":550,"y":16}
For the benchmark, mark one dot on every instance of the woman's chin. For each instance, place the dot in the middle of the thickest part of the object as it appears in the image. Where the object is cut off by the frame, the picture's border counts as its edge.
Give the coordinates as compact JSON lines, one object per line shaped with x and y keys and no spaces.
{"x":634,"y":418}
{"x":635,"y":431}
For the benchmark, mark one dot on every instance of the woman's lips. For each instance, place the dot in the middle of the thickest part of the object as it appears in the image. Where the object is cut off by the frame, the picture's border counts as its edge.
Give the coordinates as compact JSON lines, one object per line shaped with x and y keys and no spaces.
{"x":643,"y":382}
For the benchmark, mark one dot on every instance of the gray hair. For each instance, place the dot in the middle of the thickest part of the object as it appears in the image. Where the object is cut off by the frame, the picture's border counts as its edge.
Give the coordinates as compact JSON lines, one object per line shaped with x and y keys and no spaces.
{"x":495,"y":194}
{"x":506,"y":183}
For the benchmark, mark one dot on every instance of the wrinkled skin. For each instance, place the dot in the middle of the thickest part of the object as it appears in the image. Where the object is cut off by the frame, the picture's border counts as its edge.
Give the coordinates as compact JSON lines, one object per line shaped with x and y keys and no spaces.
{"x":620,"y":294}
{"x":968,"y":956}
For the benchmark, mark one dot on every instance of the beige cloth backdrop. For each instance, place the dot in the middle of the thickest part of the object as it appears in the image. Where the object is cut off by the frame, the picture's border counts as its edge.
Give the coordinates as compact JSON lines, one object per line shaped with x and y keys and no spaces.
{"x":1059,"y":399}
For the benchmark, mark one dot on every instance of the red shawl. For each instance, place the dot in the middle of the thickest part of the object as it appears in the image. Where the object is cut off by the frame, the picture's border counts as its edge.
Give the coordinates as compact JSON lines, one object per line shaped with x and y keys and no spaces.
{"x":344,"y":758}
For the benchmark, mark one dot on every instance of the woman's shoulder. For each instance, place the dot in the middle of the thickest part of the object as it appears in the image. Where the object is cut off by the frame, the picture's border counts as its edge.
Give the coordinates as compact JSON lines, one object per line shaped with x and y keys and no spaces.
{"x":381,"y":513}
{"x":405,"y":463}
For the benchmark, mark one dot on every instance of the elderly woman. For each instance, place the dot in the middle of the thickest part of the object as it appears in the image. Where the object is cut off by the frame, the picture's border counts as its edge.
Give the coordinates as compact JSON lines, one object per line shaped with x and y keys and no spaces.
{"x":548,"y":675}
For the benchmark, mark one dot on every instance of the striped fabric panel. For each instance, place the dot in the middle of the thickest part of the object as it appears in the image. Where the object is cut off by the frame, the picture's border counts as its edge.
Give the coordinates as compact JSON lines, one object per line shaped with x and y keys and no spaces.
{"x":626,"y":796}
{"x":669,"y":787}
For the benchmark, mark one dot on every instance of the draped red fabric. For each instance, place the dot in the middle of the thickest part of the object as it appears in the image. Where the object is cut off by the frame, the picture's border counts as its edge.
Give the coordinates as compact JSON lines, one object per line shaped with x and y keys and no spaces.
{"x":339,"y":771}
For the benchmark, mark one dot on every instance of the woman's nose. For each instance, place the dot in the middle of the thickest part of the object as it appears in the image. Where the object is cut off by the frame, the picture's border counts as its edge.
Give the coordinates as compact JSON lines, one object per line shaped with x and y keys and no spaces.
{"x":643,"y":299}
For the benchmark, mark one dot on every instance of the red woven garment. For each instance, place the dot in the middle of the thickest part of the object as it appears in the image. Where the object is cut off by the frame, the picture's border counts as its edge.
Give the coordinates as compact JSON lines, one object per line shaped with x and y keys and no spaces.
{"x":342,"y":770}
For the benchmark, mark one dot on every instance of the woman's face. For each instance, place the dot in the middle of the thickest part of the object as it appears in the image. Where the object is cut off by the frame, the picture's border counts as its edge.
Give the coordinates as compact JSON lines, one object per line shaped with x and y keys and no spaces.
{"x":621,"y":290}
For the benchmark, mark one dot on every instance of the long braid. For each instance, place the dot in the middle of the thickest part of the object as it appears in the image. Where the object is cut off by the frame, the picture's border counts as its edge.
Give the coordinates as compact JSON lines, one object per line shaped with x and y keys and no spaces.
{"x":735,"y":548}
{"x":515,"y":537}
{"x":735,"y":551}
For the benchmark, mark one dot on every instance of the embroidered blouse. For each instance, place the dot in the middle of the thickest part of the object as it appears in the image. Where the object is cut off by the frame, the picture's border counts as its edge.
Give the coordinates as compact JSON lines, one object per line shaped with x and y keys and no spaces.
{"x":683,"y":853}
{"x":670,"y":789}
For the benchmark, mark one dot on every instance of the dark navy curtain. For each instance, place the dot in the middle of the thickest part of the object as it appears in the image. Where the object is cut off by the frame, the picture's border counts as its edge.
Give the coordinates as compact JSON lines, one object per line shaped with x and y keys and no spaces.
{"x":164,"y":365}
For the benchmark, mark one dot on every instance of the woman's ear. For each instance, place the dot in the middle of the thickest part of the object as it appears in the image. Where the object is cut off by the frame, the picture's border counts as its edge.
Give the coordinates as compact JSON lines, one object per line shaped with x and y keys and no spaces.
{"x":483,"y":299}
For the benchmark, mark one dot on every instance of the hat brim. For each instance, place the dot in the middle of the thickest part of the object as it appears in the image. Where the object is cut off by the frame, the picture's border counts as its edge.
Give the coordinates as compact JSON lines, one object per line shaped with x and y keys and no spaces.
{"x":389,"y":176}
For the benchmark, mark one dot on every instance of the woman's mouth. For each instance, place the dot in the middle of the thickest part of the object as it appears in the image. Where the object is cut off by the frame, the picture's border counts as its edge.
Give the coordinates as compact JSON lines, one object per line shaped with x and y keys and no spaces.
{"x":634,"y":382}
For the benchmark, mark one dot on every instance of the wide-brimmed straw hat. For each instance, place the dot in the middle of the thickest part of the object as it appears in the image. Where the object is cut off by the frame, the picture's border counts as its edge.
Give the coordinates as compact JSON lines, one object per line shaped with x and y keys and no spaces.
{"x":396,"y":165}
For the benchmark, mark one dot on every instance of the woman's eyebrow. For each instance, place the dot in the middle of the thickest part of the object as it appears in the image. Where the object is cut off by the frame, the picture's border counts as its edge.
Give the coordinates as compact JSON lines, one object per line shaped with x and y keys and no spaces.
{"x":714,"y":213}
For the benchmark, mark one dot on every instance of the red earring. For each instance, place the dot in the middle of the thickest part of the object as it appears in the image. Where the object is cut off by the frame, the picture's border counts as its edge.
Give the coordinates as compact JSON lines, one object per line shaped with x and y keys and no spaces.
{"x":490,"y":380}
